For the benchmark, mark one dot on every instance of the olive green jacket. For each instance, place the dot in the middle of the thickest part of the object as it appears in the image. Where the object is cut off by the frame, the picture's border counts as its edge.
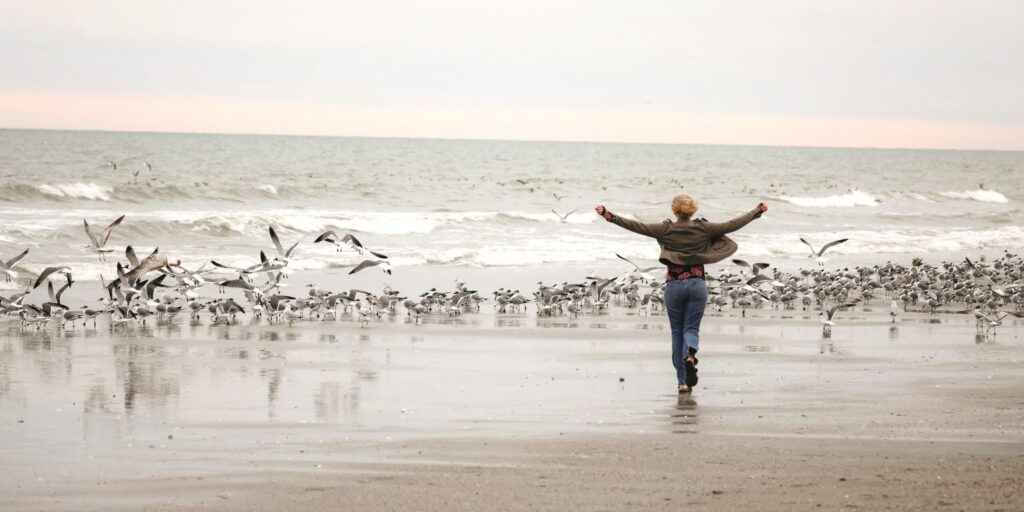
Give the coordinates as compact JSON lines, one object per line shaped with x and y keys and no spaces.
{"x":690,"y":242}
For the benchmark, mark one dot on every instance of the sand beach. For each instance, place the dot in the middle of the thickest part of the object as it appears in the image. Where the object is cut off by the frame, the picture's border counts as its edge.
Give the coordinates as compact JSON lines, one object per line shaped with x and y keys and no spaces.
{"x":488,"y":411}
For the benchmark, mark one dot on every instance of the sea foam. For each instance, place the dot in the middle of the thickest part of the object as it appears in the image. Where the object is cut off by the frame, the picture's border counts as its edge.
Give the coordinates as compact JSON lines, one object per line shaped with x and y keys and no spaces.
{"x":854,"y":198}
{"x":77,"y":191}
{"x":982,"y":195}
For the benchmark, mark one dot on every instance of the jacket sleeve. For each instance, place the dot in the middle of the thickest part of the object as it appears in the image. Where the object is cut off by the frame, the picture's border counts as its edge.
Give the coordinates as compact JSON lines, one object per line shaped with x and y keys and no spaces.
{"x":717,"y":229}
{"x":654,"y":230}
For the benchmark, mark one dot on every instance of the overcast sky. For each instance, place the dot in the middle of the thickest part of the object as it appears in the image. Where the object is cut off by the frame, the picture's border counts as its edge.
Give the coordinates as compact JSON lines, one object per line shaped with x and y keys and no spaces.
{"x":843,"y":73}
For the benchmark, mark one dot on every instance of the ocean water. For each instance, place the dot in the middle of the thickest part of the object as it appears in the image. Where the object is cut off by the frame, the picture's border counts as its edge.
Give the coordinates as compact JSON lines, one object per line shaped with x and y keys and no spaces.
{"x":486,"y":203}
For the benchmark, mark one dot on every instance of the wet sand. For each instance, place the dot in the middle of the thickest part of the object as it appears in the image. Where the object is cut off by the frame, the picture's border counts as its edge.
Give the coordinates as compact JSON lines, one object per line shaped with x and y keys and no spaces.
{"x":498,"y":412}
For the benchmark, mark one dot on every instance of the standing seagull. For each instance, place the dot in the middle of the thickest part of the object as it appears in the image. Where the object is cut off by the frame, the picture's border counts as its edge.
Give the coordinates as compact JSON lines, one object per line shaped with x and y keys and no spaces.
{"x":818,"y":255}
{"x":7,"y":267}
{"x":97,"y":244}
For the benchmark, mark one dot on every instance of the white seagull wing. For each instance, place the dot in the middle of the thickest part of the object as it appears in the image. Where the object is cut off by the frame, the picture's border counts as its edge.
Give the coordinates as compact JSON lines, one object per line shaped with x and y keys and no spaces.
{"x":110,"y":229}
{"x":277,"y":241}
{"x":14,"y":261}
{"x":92,"y":238}
{"x":831,"y":244}
{"x":811,"y":247}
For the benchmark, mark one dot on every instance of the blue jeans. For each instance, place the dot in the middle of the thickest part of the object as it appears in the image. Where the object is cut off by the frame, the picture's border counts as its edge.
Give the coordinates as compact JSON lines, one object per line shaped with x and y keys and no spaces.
{"x":685,"y":300}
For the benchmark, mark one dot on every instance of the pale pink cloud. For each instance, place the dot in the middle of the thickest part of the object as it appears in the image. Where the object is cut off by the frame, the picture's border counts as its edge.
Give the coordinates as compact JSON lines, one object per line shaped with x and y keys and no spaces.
{"x":228,"y":115}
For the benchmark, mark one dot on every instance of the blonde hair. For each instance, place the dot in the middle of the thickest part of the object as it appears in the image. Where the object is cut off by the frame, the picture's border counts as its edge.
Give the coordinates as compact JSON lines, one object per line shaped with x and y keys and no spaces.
{"x":684,"y":206}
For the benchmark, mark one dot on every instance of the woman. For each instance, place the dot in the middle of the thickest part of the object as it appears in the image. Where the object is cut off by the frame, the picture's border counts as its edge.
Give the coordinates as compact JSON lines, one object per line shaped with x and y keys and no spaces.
{"x":686,"y":246}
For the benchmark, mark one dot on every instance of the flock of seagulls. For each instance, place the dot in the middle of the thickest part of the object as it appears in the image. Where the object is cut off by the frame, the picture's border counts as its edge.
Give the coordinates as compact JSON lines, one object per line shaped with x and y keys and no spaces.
{"x":159,"y":288}
{"x":135,"y":173}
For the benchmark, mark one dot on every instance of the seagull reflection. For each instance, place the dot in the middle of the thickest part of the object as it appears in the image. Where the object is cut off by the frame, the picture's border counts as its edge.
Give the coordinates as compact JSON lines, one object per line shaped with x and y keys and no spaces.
{"x":326,"y":401}
{"x":273,"y":378}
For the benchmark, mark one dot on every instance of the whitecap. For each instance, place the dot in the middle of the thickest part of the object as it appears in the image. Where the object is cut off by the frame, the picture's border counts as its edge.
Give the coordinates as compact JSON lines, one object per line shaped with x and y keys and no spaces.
{"x":77,"y":191}
{"x":982,"y":195}
{"x":854,"y":198}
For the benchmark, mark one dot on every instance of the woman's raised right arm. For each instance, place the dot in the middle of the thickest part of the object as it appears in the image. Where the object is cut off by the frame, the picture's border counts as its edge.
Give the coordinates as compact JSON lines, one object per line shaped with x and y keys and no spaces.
{"x":653,"y":230}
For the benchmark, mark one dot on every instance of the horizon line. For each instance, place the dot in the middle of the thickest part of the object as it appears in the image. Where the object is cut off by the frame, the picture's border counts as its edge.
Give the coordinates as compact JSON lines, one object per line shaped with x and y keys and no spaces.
{"x":524,"y":140}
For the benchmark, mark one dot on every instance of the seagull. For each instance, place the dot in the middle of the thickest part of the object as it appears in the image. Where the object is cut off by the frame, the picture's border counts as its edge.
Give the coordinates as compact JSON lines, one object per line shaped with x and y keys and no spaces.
{"x":54,"y":302}
{"x":642,"y":271}
{"x":563,"y":217}
{"x":7,"y":267}
{"x":45,"y":274}
{"x":893,"y":311}
{"x":348,"y":240}
{"x":384,"y":264}
{"x":755,"y":268}
{"x":760,"y":278}
{"x":111,"y":164}
{"x":557,"y":197}
{"x":129,"y":253}
{"x":98,"y":244}
{"x":285,"y":255}
{"x":826,"y":317}
{"x":990,"y":322}
{"x":818,"y":255}
{"x":70,"y":316}
{"x":152,"y":262}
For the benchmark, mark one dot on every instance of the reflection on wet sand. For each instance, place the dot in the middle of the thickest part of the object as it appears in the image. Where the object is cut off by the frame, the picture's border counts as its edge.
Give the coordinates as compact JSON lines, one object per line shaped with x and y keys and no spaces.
{"x":684,"y":417}
{"x":243,"y":383}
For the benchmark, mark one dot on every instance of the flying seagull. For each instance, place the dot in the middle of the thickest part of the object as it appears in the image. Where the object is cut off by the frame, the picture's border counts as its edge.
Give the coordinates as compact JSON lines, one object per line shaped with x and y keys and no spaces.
{"x":563,"y":217}
{"x":152,"y":262}
{"x":97,"y":244}
{"x":826,"y":316}
{"x":48,"y":271}
{"x":648,"y":269}
{"x":348,"y":240}
{"x":818,"y":255}
{"x":755,"y":268}
{"x":384,"y":264}
{"x":7,"y":267}
{"x":285,"y":255}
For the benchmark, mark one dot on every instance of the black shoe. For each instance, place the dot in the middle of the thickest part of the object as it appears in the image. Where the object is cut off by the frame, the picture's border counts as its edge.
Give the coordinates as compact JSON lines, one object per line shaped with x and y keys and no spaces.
{"x":691,"y":373}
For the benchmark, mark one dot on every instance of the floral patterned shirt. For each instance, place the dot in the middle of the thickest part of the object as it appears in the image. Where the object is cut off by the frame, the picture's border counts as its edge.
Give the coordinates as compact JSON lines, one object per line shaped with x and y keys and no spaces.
{"x":685,"y":272}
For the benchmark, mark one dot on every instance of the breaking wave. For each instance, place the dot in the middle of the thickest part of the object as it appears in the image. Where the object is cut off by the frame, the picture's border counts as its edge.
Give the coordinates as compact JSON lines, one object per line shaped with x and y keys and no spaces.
{"x":77,"y":191}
